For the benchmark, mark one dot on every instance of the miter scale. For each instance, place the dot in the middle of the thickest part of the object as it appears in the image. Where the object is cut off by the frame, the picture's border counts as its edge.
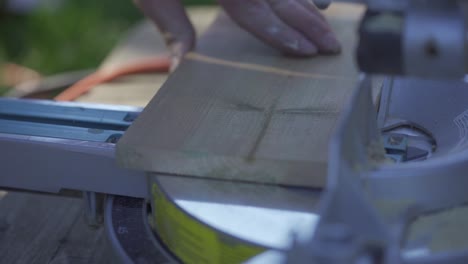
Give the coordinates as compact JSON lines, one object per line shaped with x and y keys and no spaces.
{"x":394,"y":169}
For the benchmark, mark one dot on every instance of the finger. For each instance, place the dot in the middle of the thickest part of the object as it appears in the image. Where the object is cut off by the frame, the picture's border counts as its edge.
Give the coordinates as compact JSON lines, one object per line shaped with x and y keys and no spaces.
{"x":308,"y":23}
{"x":257,"y":17}
{"x":172,"y":20}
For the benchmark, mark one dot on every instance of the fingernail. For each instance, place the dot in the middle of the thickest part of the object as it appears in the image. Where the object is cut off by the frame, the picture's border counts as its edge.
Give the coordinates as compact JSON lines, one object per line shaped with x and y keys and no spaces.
{"x":175,"y":61}
{"x":330,"y":44}
{"x":176,"y":55}
{"x":303,"y":48}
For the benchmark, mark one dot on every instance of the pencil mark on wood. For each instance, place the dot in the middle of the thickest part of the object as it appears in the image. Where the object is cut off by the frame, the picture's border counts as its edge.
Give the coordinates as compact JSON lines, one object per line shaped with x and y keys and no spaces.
{"x":315,"y":111}
{"x":307,"y":111}
{"x":248,"y":107}
{"x":266,"y":123}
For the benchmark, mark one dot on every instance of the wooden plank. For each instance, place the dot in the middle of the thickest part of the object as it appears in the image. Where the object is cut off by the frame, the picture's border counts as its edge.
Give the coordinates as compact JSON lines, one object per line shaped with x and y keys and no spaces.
{"x":37,"y":228}
{"x":236,"y":109}
{"x":32,"y":227}
{"x":82,"y":243}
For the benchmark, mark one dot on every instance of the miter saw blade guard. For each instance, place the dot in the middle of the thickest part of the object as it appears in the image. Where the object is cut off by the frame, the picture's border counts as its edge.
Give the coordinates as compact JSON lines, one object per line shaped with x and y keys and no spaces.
{"x":371,"y":200}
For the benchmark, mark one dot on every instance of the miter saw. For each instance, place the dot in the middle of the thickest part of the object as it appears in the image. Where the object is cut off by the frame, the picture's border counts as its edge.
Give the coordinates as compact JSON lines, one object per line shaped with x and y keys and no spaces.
{"x":393,"y":168}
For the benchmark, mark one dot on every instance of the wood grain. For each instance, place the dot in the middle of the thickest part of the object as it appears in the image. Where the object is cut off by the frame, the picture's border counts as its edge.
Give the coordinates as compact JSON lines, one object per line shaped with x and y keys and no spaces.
{"x":236,"y":109}
{"x":38,"y":228}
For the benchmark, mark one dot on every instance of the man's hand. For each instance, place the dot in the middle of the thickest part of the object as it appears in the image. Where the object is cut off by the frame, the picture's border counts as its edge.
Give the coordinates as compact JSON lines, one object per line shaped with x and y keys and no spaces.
{"x":295,"y":27}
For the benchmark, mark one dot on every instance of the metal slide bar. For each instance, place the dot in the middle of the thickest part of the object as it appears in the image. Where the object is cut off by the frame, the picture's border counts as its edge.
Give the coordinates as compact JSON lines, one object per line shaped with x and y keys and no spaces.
{"x":48,"y":147}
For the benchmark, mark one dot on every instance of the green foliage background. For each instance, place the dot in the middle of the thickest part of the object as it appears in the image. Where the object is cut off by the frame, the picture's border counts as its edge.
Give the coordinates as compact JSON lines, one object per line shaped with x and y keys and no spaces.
{"x":76,"y":35}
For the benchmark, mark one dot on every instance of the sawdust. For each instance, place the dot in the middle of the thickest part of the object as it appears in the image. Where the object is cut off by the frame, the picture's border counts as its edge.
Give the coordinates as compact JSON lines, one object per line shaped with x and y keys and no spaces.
{"x":392,"y":209}
{"x":443,"y":231}
{"x":376,"y":154}
{"x":375,"y":158}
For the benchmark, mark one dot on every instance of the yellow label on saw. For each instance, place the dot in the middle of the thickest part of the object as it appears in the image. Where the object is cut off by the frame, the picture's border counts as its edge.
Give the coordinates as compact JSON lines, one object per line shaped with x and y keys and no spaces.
{"x":192,"y":241}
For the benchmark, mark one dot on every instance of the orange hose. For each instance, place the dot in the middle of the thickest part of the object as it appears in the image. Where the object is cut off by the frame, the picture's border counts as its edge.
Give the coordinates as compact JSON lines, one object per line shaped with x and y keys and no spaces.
{"x":159,"y":64}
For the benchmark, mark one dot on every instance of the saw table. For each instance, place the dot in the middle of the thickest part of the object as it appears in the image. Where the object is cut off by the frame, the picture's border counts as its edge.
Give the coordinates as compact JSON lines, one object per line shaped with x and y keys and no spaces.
{"x":197,"y":211}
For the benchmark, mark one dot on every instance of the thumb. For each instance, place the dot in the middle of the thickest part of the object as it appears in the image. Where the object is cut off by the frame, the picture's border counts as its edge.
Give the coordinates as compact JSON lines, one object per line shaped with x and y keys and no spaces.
{"x":172,"y":20}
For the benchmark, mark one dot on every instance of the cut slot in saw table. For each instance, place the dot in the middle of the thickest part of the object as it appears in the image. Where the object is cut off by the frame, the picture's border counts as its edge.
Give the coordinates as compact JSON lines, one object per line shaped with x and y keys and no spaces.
{"x":395,"y":187}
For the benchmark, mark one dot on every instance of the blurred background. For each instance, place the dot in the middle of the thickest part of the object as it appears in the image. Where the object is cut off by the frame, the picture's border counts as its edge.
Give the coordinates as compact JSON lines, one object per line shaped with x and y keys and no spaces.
{"x":47,"y":37}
